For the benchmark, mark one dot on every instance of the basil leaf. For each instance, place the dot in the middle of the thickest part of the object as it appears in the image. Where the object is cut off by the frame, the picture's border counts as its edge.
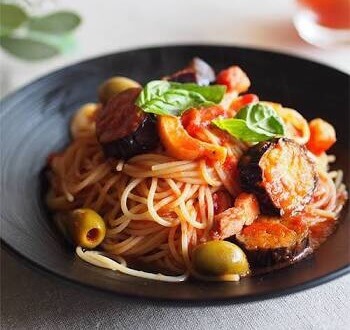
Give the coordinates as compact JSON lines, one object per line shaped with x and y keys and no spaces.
{"x":60,"y":22}
{"x":173,"y":101}
{"x":166,"y":98}
{"x":212,"y":93}
{"x":262,"y":119}
{"x":239,"y":129}
{"x":152,"y":90}
{"x":253,"y":123}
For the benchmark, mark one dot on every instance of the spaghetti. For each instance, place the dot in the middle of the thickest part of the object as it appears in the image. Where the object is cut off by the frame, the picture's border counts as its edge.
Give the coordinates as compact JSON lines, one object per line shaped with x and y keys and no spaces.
{"x":150,"y":203}
{"x":157,"y":208}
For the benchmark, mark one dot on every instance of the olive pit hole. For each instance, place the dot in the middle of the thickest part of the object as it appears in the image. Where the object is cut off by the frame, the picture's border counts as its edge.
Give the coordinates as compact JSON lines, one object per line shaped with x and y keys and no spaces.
{"x":92,"y":234}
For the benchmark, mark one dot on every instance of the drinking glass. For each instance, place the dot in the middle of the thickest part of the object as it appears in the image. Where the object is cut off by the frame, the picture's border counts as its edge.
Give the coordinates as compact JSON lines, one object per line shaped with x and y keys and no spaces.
{"x":324,"y":23}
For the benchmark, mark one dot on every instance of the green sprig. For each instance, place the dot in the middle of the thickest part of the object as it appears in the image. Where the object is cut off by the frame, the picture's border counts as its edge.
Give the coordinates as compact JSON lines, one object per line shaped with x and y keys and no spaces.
{"x":167,"y":98}
{"x":36,"y":37}
{"x":253,"y":123}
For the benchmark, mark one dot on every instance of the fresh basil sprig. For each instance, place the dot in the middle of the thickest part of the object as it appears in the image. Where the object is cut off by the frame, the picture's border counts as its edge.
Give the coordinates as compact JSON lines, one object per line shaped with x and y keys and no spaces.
{"x":253,"y":123}
{"x":168,"y":98}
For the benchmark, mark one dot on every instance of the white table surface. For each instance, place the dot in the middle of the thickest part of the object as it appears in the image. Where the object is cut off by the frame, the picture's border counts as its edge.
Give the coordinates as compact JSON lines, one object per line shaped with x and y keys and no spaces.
{"x":33,"y":301}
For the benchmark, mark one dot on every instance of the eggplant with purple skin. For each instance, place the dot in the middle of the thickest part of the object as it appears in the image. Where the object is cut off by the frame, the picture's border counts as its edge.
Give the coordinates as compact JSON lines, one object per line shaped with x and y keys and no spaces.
{"x":123,"y":129}
{"x":197,"y":71}
{"x":270,"y":241}
{"x":280,"y":174}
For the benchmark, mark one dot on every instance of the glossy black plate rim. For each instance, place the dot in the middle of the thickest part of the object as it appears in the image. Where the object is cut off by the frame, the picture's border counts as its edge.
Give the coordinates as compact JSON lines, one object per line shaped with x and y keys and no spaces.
{"x":127,"y":50}
{"x":250,"y":297}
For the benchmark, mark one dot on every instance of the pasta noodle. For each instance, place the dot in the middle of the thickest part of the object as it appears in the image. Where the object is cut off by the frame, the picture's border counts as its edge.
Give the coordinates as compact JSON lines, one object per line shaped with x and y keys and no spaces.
{"x":151,"y":204}
{"x":141,"y":200}
{"x":156,"y":208}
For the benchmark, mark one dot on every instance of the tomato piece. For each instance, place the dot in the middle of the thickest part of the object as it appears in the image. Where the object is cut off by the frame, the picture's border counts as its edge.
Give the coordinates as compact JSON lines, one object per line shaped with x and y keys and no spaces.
{"x":195,"y":120}
{"x":244,"y":100}
{"x":322,"y":136}
{"x":234,"y":78}
{"x":202,"y":116}
{"x":241,"y":102}
{"x":191,"y":121}
{"x":181,"y":145}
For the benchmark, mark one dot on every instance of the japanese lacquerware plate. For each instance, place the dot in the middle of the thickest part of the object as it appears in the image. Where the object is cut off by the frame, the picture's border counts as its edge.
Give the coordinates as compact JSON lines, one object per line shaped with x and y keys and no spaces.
{"x":34,"y":122}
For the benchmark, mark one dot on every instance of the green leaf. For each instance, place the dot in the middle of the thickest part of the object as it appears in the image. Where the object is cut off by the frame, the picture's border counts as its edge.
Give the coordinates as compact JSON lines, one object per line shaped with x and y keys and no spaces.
{"x":239,"y":129}
{"x":166,"y":98}
{"x":55,"y":23}
{"x":213,"y":93}
{"x":152,"y":90}
{"x":11,"y":17}
{"x":28,"y":49}
{"x":65,"y":43}
{"x":262,"y":119}
{"x":253,"y":123}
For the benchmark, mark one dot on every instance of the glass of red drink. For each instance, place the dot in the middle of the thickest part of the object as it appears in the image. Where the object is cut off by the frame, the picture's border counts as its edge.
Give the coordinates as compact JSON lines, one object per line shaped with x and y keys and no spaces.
{"x":324,"y":23}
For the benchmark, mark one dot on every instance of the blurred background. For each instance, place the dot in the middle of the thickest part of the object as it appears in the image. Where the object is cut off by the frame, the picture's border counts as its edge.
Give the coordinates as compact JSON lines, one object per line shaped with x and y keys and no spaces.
{"x":38,"y":36}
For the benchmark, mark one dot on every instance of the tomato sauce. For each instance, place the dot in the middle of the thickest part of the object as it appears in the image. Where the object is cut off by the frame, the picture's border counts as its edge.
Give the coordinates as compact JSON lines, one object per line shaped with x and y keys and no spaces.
{"x":320,"y":231}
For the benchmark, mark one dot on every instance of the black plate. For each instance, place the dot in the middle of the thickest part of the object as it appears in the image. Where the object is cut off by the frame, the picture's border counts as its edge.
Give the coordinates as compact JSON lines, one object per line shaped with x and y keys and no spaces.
{"x":34,"y":123}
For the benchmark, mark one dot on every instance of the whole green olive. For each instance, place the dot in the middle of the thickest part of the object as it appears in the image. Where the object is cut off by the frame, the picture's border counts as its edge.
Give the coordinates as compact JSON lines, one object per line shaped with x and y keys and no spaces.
{"x":86,"y":228}
{"x":220,"y":258}
{"x":113,"y":86}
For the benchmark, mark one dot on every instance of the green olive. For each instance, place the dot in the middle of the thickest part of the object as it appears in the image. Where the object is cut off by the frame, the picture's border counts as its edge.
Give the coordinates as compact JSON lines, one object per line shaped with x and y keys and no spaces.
{"x":86,"y":227}
{"x":220,"y":258}
{"x":113,"y":86}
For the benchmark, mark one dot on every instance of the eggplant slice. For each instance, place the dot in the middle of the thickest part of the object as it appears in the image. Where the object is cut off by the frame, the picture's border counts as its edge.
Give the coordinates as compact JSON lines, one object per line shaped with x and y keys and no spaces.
{"x":280,"y":174}
{"x":123,"y":129}
{"x":269,"y":241}
{"x":197,"y":71}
